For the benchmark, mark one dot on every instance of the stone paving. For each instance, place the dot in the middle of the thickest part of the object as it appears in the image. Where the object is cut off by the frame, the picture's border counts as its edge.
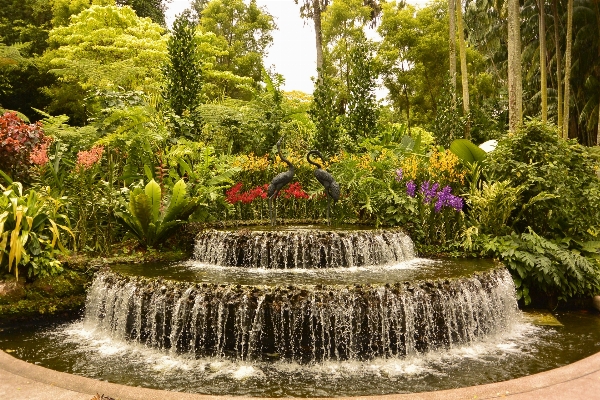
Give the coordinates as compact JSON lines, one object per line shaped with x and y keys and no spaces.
{"x":23,"y":381}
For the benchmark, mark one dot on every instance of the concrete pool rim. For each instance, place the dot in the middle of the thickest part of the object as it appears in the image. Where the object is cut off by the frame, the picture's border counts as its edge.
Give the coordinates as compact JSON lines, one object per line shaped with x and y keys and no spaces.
{"x":578,"y":380}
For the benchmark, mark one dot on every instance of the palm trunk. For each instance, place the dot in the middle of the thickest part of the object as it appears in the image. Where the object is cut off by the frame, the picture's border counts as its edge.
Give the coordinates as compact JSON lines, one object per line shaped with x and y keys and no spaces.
{"x":517,"y":60}
{"x":514,"y":67}
{"x":452,"y":48}
{"x":463,"y":65}
{"x":558,"y":67}
{"x":543,"y":78}
{"x":598,"y":131}
{"x":568,"y":68}
{"x":316,"y":15}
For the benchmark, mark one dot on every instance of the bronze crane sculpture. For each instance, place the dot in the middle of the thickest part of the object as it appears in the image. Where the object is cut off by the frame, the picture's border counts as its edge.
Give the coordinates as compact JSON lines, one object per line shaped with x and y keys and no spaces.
{"x":279,"y":182}
{"x":332,"y":188}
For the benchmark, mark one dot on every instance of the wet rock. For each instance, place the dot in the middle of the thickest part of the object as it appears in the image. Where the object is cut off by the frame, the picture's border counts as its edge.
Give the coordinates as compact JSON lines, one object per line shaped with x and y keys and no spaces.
{"x":11,"y":291}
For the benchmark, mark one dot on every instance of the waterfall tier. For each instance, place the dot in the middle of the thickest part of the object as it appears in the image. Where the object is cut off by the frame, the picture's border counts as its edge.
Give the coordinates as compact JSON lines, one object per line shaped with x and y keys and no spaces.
{"x":302,"y":322}
{"x":302,"y":248}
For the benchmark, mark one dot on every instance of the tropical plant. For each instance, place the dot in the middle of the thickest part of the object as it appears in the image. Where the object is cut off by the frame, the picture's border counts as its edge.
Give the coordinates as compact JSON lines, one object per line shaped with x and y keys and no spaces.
{"x":183,"y":73}
{"x":30,"y":232}
{"x":562,"y":190}
{"x":151,"y":218}
{"x":561,"y":268}
{"x":21,"y":145}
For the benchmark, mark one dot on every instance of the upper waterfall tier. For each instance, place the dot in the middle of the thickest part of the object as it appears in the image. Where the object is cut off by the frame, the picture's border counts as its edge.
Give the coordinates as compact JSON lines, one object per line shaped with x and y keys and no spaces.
{"x":302,"y":247}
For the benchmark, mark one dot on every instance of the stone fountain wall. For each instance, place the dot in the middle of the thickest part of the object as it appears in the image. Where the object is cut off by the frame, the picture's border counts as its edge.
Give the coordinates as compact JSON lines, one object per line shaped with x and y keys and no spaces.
{"x":303,"y":248}
{"x":303,"y":322}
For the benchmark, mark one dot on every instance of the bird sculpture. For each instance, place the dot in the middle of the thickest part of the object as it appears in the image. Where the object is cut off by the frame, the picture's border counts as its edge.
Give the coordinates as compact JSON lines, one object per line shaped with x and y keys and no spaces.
{"x":279,"y":182}
{"x":332,"y":188}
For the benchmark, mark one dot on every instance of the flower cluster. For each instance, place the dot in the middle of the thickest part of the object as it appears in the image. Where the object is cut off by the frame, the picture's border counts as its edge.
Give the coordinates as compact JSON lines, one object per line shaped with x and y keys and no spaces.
{"x":295,"y":191}
{"x":411,"y":188}
{"x":410,"y":166}
{"x":235,"y":194}
{"x":87,"y":159}
{"x":444,"y":166}
{"x":39,"y":155}
{"x":399,"y":175}
{"x":443,"y":198}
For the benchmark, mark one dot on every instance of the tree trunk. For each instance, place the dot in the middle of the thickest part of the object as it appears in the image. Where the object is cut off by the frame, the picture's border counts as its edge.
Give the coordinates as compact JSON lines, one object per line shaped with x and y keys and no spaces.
{"x":558,"y":57}
{"x":452,"y":48}
{"x":598,"y":131}
{"x":514,"y":66}
{"x":568,"y":68}
{"x":463,"y":65}
{"x":316,"y":15}
{"x":543,"y":79}
{"x":517,"y":60}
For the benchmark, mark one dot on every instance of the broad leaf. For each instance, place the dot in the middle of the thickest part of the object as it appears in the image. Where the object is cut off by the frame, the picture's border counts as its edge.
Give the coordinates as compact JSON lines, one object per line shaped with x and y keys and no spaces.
{"x":152,"y":190}
{"x":467,"y":151}
{"x":141,"y":209}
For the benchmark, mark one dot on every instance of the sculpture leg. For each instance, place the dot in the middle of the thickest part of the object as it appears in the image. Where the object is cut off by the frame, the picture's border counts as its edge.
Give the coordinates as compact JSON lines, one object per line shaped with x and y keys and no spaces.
{"x":270,"y":200}
{"x":328,"y":210}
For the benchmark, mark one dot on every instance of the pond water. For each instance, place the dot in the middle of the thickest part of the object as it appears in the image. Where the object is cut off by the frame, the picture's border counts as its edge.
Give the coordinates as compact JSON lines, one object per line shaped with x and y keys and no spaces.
{"x":525,"y":349}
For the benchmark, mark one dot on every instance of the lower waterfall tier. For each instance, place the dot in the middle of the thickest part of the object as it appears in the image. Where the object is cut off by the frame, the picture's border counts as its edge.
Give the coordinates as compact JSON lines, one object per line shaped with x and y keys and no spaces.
{"x":302,"y":247}
{"x":302,"y":322}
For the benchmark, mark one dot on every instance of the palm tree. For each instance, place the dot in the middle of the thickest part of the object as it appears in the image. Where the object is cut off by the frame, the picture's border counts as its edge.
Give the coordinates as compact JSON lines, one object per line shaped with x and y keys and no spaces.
{"x":543,"y":80}
{"x":568,"y":51}
{"x":558,"y":61}
{"x":452,"y":48}
{"x":515,"y":88}
{"x":463,"y":64}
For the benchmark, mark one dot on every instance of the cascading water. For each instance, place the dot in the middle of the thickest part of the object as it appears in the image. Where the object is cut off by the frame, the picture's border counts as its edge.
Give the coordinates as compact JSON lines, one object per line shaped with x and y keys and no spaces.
{"x":302,"y":248}
{"x":303,"y":321}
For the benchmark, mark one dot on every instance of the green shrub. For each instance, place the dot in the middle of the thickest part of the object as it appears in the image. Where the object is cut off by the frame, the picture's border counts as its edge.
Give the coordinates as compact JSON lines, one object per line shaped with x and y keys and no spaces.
{"x":152,"y":221}
{"x":558,"y":268}
{"x":561,"y":189}
{"x":29,"y":232}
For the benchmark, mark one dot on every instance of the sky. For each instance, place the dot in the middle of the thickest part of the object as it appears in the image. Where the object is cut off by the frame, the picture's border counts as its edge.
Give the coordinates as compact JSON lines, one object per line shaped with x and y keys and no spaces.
{"x":293,"y":52}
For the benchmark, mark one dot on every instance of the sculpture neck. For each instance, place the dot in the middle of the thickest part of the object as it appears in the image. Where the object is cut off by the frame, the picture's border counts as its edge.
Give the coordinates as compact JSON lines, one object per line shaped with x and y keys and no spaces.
{"x":311,"y":161}
{"x":285,"y":160}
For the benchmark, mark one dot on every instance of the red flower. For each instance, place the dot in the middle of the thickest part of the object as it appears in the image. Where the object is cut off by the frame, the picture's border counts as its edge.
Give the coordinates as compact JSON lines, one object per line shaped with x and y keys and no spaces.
{"x":233,"y":194}
{"x":295,"y":190}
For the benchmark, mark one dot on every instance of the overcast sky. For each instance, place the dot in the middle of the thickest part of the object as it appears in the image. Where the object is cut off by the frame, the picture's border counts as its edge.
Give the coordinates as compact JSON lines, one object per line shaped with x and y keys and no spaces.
{"x":293,"y":53}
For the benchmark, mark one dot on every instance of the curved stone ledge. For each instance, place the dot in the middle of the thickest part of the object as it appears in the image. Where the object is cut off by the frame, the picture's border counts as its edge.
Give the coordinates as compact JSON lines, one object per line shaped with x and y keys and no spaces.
{"x":579,"y":380}
{"x":302,"y":323}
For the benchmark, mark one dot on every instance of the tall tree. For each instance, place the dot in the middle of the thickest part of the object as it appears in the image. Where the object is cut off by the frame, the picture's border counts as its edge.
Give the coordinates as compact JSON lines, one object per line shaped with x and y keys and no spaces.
{"x":153,"y":9}
{"x":313,"y":9}
{"x":543,"y":79}
{"x":363,"y":110}
{"x":243,"y":31}
{"x":568,"y":54}
{"x":413,"y":43}
{"x":463,"y":64}
{"x":104,"y":48}
{"x":452,"y":47}
{"x":558,"y":63}
{"x":514,"y":66}
{"x":182,"y":72}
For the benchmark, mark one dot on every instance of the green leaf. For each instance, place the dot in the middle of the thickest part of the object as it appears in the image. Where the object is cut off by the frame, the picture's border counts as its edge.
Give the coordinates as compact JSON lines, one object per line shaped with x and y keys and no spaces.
{"x":178,"y":201}
{"x":467,"y":151}
{"x":152,"y":190}
{"x":141,"y":210}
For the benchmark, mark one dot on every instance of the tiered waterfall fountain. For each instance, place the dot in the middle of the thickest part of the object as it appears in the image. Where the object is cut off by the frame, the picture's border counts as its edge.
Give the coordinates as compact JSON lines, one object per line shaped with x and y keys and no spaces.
{"x":304,"y":295}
